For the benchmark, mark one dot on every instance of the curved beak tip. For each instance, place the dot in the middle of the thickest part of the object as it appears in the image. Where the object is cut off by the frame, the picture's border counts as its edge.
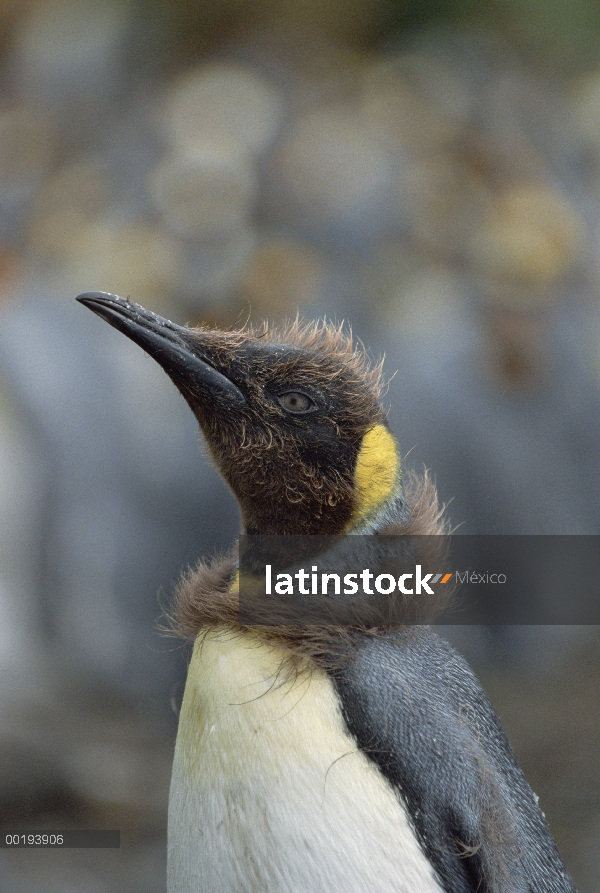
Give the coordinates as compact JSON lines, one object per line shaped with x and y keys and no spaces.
{"x":95,"y":299}
{"x":87,"y":296}
{"x":168,"y":343}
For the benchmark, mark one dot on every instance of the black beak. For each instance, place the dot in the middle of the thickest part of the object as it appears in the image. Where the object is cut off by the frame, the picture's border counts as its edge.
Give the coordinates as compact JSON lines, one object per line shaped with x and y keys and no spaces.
{"x":176,"y":348}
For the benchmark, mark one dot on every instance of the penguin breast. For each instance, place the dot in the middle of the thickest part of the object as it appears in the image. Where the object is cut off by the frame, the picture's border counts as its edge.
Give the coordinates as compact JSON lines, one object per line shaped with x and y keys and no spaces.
{"x":270,"y":793}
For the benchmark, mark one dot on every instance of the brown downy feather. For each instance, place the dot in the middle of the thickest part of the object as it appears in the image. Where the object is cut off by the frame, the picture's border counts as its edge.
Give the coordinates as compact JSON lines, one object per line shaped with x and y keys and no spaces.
{"x":205,"y":598}
{"x":324,"y":339}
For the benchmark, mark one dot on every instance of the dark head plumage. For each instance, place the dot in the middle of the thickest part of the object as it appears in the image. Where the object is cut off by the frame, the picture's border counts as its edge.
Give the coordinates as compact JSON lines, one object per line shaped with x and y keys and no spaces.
{"x":287,"y":415}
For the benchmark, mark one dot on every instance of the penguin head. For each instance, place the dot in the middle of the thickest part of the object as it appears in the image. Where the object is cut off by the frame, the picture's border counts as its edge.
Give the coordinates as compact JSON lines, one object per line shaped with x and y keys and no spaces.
{"x":292,"y":418}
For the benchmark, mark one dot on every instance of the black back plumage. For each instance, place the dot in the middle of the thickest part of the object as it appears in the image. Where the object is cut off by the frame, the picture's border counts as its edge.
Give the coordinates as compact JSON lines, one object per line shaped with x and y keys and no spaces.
{"x":417,"y":710}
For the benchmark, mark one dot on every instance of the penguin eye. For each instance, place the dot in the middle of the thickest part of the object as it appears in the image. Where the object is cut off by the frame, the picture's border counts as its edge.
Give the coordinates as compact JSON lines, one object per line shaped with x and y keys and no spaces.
{"x":296,"y":402}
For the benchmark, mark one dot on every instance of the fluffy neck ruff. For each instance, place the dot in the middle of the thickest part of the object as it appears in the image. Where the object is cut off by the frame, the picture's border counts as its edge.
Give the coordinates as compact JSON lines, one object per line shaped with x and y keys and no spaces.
{"x":206,"y":597}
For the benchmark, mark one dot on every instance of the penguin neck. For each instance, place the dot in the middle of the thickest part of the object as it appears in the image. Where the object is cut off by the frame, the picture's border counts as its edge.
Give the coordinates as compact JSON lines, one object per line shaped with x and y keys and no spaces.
{"x":393,"y":509}
{"x":315,"y":519}
{"x":379,"y":498}
{"x":374,"y":498}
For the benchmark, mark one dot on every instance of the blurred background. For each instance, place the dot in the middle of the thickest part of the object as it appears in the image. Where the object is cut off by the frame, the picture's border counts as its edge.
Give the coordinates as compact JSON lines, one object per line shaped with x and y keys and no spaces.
{"x":427,"y":171}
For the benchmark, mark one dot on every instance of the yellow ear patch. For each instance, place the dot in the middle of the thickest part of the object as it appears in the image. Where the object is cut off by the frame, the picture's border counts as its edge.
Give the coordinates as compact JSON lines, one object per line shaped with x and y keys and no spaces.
{"x":377,"y":470}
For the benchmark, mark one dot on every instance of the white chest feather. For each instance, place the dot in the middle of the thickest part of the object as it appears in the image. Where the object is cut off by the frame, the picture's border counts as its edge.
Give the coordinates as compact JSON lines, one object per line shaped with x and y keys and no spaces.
{"x":269,"y":793}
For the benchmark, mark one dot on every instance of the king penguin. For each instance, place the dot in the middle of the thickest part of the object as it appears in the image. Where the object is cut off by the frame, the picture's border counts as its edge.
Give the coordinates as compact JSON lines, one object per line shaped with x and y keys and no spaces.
{"x":385,"y":772}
